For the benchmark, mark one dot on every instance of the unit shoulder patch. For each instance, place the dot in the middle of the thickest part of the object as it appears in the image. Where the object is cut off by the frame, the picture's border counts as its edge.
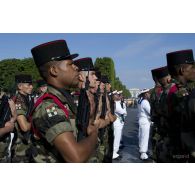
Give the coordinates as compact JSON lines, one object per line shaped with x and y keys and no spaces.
{"x":51,"y":110}
{"x":18,"y":106}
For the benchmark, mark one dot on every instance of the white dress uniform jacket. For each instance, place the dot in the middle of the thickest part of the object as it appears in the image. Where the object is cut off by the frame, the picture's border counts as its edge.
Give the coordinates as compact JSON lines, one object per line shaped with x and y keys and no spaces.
{"x":144,"y":124}
{"x":118,"y":125}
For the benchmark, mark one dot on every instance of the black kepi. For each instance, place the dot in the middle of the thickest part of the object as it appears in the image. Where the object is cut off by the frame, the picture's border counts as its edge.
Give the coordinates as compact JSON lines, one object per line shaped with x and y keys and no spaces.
{"x":51,"y":51}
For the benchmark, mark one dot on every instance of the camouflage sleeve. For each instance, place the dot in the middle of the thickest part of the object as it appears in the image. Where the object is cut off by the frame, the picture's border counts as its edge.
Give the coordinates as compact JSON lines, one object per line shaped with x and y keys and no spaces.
{"x":51,"y":121}
{"x":20,"y":107}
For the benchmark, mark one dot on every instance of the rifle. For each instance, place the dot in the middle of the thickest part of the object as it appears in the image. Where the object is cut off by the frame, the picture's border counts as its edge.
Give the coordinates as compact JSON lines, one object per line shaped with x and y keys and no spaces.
{"x":5,"y":115}
{"x":111,"y":103}
{"x":109,"y":151}
{"x":97,"y":97}
{"x":5,"y":111}
{"x":30,"y":103}
{"x":83,"y":110}
{"x":104,"y":106}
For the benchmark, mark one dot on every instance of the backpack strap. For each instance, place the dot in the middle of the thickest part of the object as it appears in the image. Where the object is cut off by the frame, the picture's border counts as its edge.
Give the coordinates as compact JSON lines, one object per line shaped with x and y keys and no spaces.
{"x":38,"y":102}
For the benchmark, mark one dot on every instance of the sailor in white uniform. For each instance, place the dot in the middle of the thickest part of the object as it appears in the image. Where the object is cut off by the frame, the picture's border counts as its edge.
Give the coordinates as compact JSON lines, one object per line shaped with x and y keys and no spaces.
{"x":123,"y":105}
{"x":118,"y":124}
{"x":144,"y":122}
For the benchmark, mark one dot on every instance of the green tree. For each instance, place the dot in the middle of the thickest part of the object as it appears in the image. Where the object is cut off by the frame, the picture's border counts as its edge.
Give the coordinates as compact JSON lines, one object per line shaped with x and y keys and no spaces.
{"x":11,"y":67}
{"x":107,"y":67}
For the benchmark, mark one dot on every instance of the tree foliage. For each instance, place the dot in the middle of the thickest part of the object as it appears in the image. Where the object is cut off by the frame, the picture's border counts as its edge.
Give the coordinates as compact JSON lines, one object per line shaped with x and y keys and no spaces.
{"x":106,"y":66}
{"x":11,"y":67}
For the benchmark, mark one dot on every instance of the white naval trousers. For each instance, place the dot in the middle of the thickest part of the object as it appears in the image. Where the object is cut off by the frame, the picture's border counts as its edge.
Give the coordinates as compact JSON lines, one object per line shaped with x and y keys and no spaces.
{"x":144,"y":132}
{"x":118,"y":127}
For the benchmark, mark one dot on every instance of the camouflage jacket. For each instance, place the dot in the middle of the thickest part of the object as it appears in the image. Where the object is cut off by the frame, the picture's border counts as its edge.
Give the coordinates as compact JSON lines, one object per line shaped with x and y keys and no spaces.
{"x":191,"y":105}
{"x":21,"y":146}
{"x":51,"y":121}
{"x":178,"y":109}
{"x":163,"y":112}
{"x":154,"y":102}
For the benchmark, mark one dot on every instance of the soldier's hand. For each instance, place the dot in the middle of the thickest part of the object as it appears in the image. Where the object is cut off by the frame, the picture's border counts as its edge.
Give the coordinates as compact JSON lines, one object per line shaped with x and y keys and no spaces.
{"x":9,"y":125}
{"x":92,"y":128}
{"x":101,"y":123}
{"x":97,"y":122}
{"x":112,"y":117}
{"x":13,"y":110}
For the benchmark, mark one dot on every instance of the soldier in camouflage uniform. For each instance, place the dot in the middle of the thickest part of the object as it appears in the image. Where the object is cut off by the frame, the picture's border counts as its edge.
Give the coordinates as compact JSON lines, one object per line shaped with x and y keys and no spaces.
{"x":87,"y":70}
{"x":155,"y":94}
{"x":163,"y":147}
{"x":55,"y":138}
{"x":6,"y":136}
{"x":106,"y":132}
{"x":182,"y":69}
{"x":24,"y":104}
{"x":41,"y":89}
{"x":109,"y":133}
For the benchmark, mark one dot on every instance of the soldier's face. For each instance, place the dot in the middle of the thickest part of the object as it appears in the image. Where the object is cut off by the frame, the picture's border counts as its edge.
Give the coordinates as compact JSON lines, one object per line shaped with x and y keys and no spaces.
{"x":68,"y":74}
{"x":189,"y":72}
{"x":91,"y":76}
{"x":108,"y":87}
{"x":165,"y":80}
{"x":102,"y":87}
{"x":97,"y":85}
{"x":25,"y":88}
{"x":43,"y":89}
{"x":92,"y":79}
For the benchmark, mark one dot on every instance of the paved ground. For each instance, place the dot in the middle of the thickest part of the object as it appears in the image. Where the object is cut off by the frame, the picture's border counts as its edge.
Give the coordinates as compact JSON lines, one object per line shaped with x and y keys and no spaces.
{"x":130,"y":153}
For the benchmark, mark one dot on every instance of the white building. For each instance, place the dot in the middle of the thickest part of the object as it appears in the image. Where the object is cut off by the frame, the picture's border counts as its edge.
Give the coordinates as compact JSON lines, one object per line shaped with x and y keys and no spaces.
{"x":134,"y":92}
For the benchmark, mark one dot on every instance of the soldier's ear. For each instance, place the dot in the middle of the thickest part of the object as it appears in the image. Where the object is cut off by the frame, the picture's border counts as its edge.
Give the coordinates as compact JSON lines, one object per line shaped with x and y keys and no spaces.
{"x":81,"y":78}
{"x":169,"y":79}
{"x":181,"y":71}
{"x":53,"y":70}
{"x":19,"y":86}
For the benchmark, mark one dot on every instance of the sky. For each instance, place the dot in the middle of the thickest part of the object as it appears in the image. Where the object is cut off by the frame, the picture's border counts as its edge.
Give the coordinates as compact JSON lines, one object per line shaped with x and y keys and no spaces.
{"x":134,"y":55}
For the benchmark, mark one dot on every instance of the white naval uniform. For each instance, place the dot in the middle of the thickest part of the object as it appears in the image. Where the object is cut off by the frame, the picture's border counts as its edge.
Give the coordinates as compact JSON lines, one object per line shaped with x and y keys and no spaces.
{"x":118,"y":126}
{"x":144,"y":125}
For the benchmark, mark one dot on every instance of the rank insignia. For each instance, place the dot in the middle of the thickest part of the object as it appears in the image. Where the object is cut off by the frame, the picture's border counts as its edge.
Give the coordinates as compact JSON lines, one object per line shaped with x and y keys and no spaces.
{"x":51,"y":111}
{"x":18,"y":107}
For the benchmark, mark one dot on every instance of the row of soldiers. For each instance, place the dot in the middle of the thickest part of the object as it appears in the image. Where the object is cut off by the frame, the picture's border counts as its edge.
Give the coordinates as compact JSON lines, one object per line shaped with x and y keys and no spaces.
{"x":173,"y":109}
{"x":50,"y":127}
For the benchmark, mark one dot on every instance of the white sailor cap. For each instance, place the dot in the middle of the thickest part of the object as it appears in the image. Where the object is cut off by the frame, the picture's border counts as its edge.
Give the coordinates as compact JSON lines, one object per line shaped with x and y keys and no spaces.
{"x":144,"y":91}
{"x":114,"y":92}
{"x":120,"y":92}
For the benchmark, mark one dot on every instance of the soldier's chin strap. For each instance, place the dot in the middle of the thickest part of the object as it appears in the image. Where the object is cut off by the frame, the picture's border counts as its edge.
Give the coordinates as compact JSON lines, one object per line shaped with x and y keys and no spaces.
{"x":87,"y":80}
